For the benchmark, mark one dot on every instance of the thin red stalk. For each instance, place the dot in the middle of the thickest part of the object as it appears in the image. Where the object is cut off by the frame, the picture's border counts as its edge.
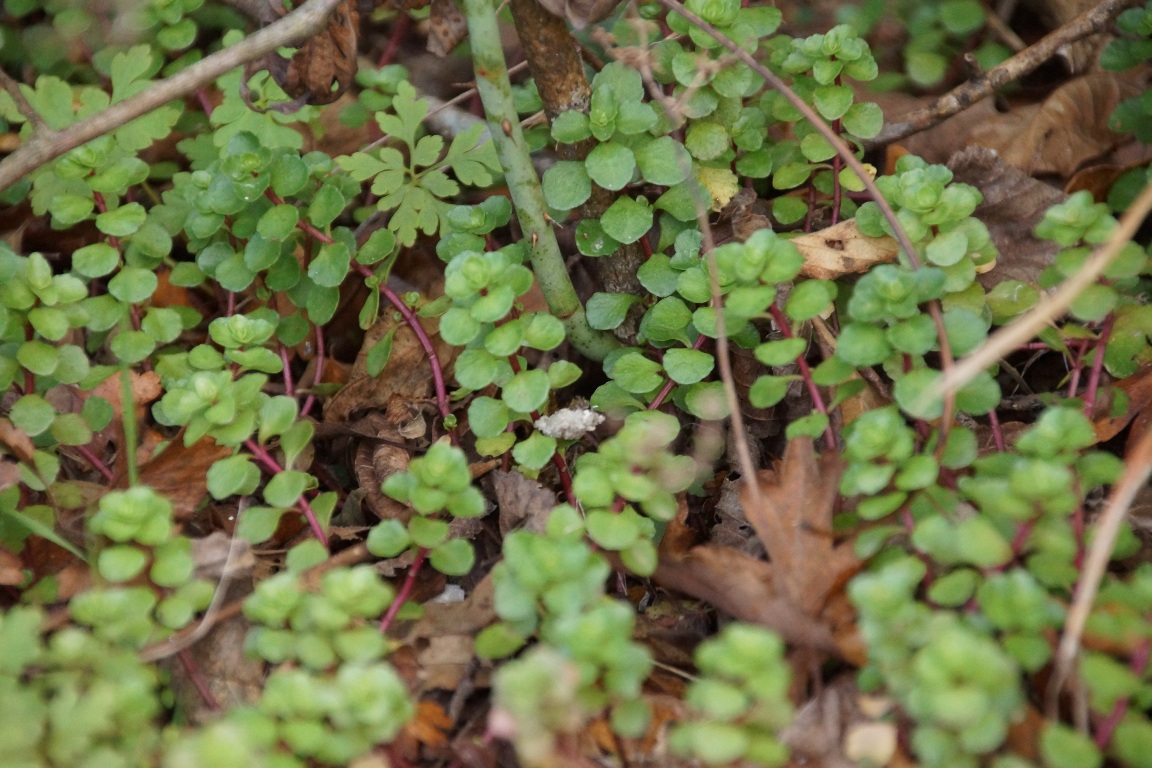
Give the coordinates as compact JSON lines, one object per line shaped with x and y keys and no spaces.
{"x":670,"y":385}
{"x":399,"y":30}
{"x":1097,"y":367}
{"x":318,"y":369}
{"x":98,"y":465}
{"x":997,"y":433}
{"x":405,"y":590}
{"x":806,"y":375}
{"x":289,"y":388}
{"x":1108,"y":725}
{"x":197,"y":679}
{"x":272,"y":465}
{"x":422,"y":337}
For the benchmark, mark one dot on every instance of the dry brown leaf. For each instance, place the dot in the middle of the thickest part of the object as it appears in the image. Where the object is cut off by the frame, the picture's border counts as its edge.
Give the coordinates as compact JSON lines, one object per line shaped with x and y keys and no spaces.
{"x":523,"y":503}
{"x":180,"y":473}
{"x":447,"y":27}
{"x":407,"y":374}
{"x":16,"y":440}
{"x":322,"y":68}
{"x":743,"y":588}
{"x":794,"y":520}
{"x":1138,"y":388}
{"x":842,"y":250}
{"x":377,"y":460}
{"x":145,"y":388}
{"x":1064,"y":132}
{"x":11,"y":569}
{"x":793,"y":593}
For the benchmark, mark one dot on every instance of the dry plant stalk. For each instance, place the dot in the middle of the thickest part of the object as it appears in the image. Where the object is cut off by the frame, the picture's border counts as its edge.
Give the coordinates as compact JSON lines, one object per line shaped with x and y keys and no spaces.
{"x":1051,"y":306}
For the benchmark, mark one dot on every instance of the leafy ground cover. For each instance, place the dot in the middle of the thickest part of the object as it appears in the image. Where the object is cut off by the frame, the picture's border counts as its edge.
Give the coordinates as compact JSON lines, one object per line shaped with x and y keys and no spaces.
{"x":722,"y":383}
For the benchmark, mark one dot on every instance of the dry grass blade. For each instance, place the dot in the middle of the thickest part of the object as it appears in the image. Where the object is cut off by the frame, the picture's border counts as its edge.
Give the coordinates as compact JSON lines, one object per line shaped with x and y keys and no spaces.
{"x":1050,"y":307}
{"x":1138,"y":468}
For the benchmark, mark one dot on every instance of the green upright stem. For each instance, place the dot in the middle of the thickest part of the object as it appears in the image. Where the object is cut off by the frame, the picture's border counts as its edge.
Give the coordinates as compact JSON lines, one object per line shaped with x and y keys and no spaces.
{"x":523,"y":183}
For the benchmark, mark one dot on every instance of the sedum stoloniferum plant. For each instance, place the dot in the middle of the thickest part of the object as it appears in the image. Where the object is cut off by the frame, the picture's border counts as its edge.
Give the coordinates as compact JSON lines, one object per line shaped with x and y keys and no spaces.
{"x":971,"y":555}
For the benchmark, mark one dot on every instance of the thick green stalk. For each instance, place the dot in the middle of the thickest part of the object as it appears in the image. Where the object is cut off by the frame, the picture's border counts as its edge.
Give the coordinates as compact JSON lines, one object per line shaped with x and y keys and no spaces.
{"x":524,"y":184}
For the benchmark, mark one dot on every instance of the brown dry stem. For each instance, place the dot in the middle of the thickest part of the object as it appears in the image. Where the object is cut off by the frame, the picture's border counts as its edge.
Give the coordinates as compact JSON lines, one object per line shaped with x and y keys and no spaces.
{"x":980,"y":87}
{"x":45,"y":146}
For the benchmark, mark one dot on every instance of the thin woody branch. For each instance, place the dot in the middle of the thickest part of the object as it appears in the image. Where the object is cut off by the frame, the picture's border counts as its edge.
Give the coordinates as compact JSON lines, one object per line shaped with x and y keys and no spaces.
{"x":45,"y":146}
{"x":1094,"y":20}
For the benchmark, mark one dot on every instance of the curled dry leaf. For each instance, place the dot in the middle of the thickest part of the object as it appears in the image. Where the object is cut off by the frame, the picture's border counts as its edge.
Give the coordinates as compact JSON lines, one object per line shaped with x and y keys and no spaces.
{"x":1064,"y":132}
{"x":842,"y":250}
{"x":1138,"y":389}
{"x":323,"y":66}
{"x":523,"y":502}
{"x":799,"y":592}
{"x":447,"y":27}
{"x":406,"y":375}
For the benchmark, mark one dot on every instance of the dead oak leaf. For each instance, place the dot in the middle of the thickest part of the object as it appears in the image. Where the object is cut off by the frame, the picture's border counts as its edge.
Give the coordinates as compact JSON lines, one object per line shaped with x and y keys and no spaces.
{"x":792,"y":515}
{"x":791,"y":594}
{"x":1065,"y":131}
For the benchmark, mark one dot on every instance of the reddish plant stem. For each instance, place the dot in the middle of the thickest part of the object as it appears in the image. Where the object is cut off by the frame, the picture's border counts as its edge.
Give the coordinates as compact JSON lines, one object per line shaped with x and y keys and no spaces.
{"x":806,"y":375}
{"x":94,"y":460}
{"x":193,"y":672}
{"x":422,"y":337}
{"x":273,"y":466}
{"x":399,"y":31}
{"x":1108,"y":725}
{"x":318,"y":371}
{"x":1097,"y":367}
{"x":405,"y":590}
{"x":997,"y":432}
{"x":289,"y":388}
{"x":670,"y":385}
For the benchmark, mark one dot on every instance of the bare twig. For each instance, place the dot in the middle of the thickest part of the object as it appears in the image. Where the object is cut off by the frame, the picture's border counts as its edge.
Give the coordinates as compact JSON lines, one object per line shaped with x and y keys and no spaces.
{"x":978,"y":88}
{"x":1051,"y":306}
{"x":26,"y":109}
{"x":1138,"y":467}
{"x":46,"y":146}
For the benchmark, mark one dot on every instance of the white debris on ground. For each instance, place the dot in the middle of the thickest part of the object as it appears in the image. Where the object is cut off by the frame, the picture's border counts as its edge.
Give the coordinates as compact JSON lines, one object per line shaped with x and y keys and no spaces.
{"x":569,"y":423}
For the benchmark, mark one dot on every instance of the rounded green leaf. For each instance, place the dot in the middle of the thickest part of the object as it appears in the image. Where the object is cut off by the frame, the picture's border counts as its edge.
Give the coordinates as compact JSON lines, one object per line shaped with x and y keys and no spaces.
{"x":234,"y":475}
{"x":133,"y":285}
{"x":388,"y":538}
{"x":832,"y":101}
{"x":610,"y":165}
{"x":278,"y":222}
{"x":95,"y":260}
{"x":122,"y":221}
{"x":627,"y":219}
{"x":663,"y":161}
{"x":612,"y":531}
{"x":606,"y":311}
{"x":526,"y":391}
{"x":566,"y":185}
{"x":809,"y":299}
{"x":121,"y":562}
{"x":454,"y":557}
{"x":706,"y":140}
{"x":688,"y":366}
